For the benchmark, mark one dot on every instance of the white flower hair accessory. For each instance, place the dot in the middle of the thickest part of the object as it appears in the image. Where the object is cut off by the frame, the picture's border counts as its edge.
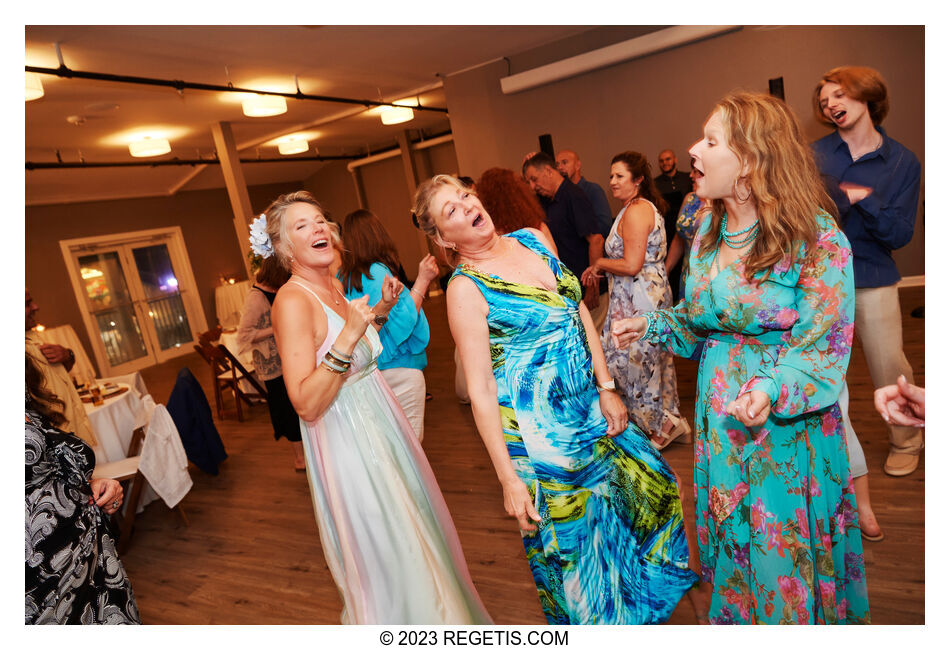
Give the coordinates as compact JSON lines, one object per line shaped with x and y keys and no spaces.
{"x":260,"y":240}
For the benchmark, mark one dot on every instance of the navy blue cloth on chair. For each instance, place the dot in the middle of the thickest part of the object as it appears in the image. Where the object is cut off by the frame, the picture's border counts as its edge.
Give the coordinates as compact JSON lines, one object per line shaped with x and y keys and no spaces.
{"x":189,"y":408}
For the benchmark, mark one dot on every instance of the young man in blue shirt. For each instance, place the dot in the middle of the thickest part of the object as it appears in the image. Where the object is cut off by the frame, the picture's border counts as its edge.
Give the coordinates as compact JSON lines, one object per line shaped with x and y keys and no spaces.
{"x":875,"y":182}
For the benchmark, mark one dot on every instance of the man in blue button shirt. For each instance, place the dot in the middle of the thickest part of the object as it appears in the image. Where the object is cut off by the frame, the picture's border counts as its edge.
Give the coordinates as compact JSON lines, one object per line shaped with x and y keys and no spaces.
{"x":569,"y":164}
{"x":571,"y":221}
{"x":875,"y":182}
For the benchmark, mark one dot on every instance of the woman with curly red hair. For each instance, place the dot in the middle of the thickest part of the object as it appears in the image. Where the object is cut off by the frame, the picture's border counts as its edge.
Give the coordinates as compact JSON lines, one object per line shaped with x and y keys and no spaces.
{"x":510,"y":202}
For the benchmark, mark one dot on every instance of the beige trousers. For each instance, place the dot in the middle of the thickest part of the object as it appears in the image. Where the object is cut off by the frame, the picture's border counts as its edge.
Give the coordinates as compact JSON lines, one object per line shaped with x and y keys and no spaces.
{"x":409,"y":386}
{"x":877,"y":320}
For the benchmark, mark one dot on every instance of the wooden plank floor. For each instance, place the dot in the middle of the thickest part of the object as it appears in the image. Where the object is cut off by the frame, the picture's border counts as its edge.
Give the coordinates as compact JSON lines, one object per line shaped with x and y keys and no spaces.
{"x":251,"y":553}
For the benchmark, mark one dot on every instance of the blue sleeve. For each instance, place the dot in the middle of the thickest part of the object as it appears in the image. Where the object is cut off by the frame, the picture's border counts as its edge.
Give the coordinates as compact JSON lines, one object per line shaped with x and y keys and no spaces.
{"x":407,"y":330}
{"x":809,"y":373}
{"x":890,"y":211}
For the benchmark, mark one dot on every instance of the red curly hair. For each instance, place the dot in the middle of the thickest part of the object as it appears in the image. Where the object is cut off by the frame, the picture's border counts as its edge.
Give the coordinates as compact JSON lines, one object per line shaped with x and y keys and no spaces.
{"x":509,"y":201}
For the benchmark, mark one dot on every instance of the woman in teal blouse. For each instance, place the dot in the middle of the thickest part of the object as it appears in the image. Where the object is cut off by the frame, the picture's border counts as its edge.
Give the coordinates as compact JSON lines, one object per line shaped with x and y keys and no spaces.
{"x":369,"y":257}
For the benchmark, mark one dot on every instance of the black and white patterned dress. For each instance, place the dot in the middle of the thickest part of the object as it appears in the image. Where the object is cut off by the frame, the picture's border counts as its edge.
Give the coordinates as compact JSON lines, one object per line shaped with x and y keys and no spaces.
{"x":73,"y":573}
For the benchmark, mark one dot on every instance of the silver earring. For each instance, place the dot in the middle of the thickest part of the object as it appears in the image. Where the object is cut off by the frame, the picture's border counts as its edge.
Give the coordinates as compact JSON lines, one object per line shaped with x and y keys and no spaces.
{"x":735,"y":192}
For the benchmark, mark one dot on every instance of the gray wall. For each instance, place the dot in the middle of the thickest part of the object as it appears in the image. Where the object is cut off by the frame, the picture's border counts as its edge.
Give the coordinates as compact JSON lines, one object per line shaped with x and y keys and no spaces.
{"x":386,"y":193}
{"x":662,"y":100}
{"x":205,"y":218}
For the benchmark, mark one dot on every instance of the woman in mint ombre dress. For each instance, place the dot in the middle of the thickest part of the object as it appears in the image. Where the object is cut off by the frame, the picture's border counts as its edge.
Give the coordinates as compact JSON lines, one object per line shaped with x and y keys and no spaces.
{"x":599,"y":508}
{"x":386,"y":533}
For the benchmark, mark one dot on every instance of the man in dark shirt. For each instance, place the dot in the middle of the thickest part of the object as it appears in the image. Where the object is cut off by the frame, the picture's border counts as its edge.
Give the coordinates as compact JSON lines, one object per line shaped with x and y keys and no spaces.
{"x":570,"y":219}
{"x":674,"y":185}
{"x":569,"y":164}
{"x":875,"y":183}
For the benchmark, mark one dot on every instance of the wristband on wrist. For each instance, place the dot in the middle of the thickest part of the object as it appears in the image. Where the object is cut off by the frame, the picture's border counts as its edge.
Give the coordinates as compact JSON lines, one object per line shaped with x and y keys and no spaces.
{"x":339,"y":356}
{"x":650,"y":318}
{"x":609,"y":385}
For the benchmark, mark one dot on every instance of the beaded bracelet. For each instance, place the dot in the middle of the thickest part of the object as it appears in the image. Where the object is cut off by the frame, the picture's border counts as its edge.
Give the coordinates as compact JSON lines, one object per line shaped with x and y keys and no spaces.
{"x":651,"y":319}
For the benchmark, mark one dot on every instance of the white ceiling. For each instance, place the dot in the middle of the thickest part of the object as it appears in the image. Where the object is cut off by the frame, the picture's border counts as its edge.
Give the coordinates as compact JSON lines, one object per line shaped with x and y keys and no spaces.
{"x":360,"y":62}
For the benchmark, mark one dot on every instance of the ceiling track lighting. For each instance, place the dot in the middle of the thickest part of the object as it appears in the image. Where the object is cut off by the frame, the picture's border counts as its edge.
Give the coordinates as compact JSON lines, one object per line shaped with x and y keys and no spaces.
{"x":179,"y":85}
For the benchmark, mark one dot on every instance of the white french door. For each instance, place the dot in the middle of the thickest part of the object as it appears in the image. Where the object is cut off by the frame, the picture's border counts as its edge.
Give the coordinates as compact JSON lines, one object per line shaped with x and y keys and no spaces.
{"x":137,"y":295}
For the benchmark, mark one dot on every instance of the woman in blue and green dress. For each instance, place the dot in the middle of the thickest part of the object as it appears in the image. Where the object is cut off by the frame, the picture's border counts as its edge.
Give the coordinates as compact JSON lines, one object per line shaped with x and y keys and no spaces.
{"x":598,"y":507}
{"x":770,"y":302}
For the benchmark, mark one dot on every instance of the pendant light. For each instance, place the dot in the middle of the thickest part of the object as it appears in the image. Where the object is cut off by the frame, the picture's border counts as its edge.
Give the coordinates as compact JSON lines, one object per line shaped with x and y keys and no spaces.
{"x":34,"y":87}
{"x":264,"y":105}
{"x":148,"y":147}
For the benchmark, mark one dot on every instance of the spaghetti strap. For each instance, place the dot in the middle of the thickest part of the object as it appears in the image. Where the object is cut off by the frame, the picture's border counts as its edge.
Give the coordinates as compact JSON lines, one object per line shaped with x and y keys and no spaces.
{"x":314,"y":294}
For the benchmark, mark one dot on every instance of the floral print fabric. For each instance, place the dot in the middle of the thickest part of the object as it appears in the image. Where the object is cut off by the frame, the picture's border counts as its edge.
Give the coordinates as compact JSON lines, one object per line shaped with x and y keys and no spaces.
{"x":644,"y":373}
{"x":776,"y":514}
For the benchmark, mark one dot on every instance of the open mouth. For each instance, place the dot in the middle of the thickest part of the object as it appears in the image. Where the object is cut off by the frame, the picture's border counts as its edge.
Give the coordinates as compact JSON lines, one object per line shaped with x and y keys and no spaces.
{"x":479,"y":220}
{"x":320,"y":244}
{"x":837,"y":116}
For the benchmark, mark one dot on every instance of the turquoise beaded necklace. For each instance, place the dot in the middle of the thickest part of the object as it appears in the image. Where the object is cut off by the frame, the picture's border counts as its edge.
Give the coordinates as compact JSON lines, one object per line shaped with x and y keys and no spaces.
{"x":735,"y":240}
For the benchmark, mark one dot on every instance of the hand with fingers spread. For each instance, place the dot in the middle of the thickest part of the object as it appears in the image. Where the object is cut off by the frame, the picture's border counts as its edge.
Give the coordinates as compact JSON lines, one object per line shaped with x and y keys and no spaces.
{"x":627,"y":330}
{"x":107,"y":494}
{"x":518,"y":504}
{"x":752,"y":408}
{"x":901,"y":403}
{"x":614,"y":410}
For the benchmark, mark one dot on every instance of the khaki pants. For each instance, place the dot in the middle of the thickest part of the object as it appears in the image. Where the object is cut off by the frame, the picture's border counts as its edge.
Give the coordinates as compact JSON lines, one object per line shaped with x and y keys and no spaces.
{"x":877,"y":320}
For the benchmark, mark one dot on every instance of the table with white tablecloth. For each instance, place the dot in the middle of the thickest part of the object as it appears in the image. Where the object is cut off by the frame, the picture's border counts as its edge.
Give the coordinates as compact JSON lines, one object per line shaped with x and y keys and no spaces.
{"x":113,"y":422}
{"x":229,"y":302}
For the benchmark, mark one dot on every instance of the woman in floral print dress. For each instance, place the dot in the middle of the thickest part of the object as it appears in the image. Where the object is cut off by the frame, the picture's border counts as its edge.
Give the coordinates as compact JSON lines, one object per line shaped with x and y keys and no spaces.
{"x":770,"y":302}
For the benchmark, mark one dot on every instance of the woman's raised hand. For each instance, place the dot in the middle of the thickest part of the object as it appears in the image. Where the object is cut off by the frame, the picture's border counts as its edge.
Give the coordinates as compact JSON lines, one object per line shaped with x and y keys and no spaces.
{"x":518,"y":504}
{"x":627,"y":330}
{"x":358,"y":317}
{"x":391,"y":289}
{"x":428,"y":269}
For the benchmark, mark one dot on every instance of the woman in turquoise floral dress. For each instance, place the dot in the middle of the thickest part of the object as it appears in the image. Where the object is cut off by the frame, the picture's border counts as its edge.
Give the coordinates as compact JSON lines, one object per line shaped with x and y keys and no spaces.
{"x":598,"y":507}
{"x":770,"y":302}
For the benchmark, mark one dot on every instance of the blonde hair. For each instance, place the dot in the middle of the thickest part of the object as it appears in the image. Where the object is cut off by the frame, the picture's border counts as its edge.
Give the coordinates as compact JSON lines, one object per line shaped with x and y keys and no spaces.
{"x":276,"y":228}
{"x":782,"y":175}
{"x":422,"y":212}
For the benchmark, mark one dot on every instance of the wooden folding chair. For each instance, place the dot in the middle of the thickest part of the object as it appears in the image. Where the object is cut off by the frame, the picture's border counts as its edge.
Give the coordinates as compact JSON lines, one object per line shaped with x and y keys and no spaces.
{"x":126,"y":472}
{"x":232,"y":377}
